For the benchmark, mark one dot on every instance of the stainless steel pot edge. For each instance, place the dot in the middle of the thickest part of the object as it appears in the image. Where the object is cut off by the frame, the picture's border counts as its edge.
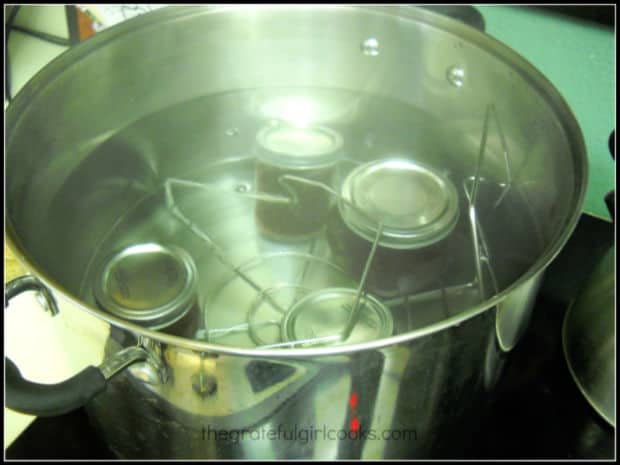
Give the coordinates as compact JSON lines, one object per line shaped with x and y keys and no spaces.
{"x":501,"y":51}
{"x":604,"y":415}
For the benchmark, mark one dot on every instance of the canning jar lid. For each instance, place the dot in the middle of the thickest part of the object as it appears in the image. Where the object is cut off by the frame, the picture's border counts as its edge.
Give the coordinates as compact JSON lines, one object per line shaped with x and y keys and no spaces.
{"x":149,"y":284}
{"x":417,"y":205}
{"x":325,"y":313}
{"x":298,"y":147}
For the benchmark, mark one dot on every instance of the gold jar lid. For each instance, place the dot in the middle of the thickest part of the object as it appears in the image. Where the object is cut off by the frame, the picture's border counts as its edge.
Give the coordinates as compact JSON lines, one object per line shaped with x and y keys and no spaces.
{"x":298,"y":147}
{"x":417,"y":205}
{"x":325,"y":313}
{"x":149,"y":284}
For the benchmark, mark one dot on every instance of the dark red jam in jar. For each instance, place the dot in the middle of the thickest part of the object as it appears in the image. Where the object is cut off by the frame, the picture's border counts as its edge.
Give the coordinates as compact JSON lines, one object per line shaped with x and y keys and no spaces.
{"x":284,"y":154}
{"x":419,"y":210}
{"x":152,"y":285}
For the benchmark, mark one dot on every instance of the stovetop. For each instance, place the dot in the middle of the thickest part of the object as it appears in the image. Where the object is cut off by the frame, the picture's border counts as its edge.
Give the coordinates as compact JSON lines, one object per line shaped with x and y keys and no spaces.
{"x":536,"y":410}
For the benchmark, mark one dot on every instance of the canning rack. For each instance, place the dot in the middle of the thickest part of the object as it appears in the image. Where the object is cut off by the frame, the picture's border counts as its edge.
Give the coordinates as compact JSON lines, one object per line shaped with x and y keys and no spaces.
{"x":265,"y":293}
{"x":482,"y":255}
{"x":481,"y":252}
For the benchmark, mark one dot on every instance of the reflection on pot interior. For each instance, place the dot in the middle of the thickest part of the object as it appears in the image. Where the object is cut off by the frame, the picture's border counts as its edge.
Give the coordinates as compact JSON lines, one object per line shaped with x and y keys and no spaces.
{"x":272,"y":217}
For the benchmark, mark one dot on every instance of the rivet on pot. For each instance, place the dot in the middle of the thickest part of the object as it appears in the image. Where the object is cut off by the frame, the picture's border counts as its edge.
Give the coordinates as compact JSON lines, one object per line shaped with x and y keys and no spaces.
{"x":243,"y":188}
{"x":370,"y":47}
{"x":456,"y":76}
{"x":204,"y":385}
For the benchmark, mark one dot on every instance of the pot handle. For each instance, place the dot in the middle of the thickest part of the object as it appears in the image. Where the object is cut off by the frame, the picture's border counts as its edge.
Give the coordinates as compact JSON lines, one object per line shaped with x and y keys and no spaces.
{"x":610,"y":198}
{"x":464,"y":13}
{"x":47,"y":400}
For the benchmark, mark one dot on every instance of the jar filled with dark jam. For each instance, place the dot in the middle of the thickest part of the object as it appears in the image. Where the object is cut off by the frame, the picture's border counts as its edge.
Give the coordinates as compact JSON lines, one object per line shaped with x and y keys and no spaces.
{"x":152,"y":285}
{"x":286,"y":157}
{"x":418,"y":209}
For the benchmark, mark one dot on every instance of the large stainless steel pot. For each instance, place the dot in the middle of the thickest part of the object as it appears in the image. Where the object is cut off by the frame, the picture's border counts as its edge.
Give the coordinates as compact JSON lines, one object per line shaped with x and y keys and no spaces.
{"x":94,"y":139}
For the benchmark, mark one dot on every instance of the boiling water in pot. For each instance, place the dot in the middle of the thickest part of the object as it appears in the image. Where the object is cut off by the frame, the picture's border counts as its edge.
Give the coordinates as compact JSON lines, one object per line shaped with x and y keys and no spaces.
{"x":199,"y":245}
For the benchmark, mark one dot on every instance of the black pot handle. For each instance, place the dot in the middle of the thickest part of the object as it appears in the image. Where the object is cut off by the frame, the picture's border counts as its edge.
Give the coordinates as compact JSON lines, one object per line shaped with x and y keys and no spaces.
{"x":48,"y":400}
{"x":610,"y":198}
{"x":464,"y":13}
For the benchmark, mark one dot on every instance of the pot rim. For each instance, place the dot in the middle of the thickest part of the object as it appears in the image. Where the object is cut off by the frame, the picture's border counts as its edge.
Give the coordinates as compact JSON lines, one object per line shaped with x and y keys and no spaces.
{"x":605,"y":414}
{"x":502,"y":52}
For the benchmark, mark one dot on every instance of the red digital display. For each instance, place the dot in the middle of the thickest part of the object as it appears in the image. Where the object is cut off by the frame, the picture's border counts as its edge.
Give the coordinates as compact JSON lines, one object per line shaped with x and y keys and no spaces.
{"x":354,"y":423}
{"x":353,"y":400}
